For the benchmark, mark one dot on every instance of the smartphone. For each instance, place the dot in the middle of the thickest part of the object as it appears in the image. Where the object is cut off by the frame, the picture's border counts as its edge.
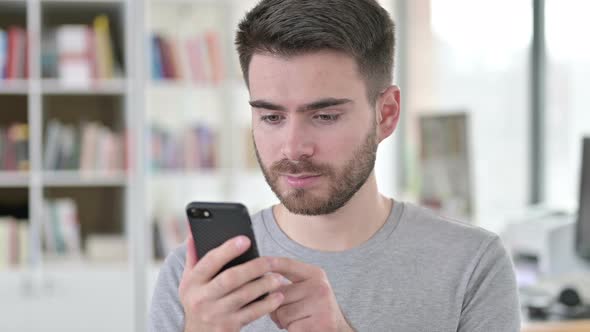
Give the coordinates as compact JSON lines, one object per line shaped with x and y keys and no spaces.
{"x":212,"y":224}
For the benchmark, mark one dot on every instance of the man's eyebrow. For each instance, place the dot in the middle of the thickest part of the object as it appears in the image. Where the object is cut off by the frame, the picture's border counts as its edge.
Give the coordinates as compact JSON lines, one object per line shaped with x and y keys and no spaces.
{"x":316,"y":105}
{"x":266,"y":105}
{"x":324,"y":103}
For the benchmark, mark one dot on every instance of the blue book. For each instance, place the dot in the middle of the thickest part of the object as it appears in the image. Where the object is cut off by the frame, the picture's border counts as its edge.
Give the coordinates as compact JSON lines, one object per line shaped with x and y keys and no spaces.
{"x":157,"y":68}
{"x":3,"y":53}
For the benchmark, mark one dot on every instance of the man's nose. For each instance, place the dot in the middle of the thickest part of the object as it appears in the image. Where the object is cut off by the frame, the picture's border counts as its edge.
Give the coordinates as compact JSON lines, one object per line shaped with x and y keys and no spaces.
{"x":298,"y":143}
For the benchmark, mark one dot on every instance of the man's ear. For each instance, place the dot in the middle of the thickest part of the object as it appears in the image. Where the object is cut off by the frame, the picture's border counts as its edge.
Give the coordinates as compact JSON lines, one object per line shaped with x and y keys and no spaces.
{"x":387,"y":110}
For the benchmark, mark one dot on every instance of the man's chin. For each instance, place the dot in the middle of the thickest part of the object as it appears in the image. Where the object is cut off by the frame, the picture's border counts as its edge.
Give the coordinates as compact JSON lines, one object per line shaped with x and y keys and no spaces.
{"x":307,"y":206}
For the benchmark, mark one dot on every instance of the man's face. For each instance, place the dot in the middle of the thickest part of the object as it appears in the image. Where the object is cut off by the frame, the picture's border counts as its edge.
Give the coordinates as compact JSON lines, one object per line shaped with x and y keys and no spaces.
{"x":313,"y":128}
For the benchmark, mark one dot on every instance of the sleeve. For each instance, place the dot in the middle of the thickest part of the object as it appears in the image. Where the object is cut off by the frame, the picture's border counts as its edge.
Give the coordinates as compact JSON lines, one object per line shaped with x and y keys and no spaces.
{"x":491,"y":298}
{"x":166,"y":313}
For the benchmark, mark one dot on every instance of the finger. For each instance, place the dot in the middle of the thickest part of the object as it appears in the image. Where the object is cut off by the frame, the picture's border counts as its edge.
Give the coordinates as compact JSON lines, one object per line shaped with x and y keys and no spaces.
{"x":238,"y":276}
{"x":214,"y":260}
{"x":292,"y":269}
{"x":260,"y":308}
{"x":291,"y":313}
{"x":296,"y":292}
{"x":304,"y":324}
{"x":250,"y":292}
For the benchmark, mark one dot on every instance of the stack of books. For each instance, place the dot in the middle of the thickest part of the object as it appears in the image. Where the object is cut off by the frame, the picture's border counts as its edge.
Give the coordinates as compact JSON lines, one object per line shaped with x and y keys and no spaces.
{"x":197,"y":59}
{"x":79,"y":54}
{"x":191,"y":149}
{"x":91,"y":147}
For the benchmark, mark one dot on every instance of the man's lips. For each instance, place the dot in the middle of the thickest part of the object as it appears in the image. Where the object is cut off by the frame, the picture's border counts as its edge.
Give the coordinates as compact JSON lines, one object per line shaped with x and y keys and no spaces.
{"x":301,"y":180}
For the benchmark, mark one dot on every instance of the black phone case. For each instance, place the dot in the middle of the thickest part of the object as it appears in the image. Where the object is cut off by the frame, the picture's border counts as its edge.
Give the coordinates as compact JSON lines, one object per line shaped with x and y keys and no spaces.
{"x":227,"y":220}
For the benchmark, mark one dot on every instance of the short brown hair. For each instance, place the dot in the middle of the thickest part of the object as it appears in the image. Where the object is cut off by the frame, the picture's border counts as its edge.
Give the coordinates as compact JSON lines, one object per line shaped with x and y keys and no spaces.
{"x":359,"y":28}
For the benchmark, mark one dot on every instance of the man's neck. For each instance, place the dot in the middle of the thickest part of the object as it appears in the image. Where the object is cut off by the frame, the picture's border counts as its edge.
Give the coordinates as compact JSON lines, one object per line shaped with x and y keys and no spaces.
{"x":348,"y":227}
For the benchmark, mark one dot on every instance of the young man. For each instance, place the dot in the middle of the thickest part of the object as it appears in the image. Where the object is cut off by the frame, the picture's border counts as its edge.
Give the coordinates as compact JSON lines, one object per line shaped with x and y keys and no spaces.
{"x":336,"y":254}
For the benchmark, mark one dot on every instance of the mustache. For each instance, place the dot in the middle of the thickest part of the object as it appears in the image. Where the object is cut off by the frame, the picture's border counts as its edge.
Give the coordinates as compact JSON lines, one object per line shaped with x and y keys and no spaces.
{"x":299,"y":166}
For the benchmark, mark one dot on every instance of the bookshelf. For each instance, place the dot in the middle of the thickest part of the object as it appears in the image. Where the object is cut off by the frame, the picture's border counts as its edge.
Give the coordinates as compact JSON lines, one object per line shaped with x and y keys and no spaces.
{"x":79,"y":204}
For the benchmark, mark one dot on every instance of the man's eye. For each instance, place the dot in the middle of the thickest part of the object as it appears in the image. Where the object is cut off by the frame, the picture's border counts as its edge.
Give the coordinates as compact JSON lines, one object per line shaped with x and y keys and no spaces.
{"x":328,"y":117}
{"x":271,"y":119}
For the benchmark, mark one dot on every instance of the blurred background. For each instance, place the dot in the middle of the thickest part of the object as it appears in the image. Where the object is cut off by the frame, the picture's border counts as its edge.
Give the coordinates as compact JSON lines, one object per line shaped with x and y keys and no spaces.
{"x":114,"y":114}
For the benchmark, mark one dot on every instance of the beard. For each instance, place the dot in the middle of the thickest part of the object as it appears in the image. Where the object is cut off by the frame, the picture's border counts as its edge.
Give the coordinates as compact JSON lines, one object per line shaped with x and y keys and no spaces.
{"x":343,"y":182}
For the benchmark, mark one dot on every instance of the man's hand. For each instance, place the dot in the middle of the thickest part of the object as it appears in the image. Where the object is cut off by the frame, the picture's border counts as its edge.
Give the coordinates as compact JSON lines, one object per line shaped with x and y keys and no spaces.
{"x":223,"y":302}
{"x":309,"y":304}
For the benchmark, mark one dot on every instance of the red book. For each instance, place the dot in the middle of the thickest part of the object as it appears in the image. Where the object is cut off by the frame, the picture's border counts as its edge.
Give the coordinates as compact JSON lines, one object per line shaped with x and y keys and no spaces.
{"x":167,"y":65}
{"x":11,"y":54}
{"x":195,"y":56}
{"x":175,"y":61}
{"x":215,"y":58}
{"x":91,"y":53}
{"x":26,"y":55}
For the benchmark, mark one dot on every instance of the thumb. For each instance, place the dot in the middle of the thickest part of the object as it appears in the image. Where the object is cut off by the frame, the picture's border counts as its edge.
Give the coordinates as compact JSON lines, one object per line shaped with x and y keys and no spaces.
{"x":191,"y":253}
{"x":189,"y":262}
{"x":275,"y":319}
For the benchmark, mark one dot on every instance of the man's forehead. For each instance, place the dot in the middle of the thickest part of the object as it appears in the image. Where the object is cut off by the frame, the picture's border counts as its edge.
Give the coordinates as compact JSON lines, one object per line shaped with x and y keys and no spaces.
{"x":262,"y":60}
{"x":320,"y":74}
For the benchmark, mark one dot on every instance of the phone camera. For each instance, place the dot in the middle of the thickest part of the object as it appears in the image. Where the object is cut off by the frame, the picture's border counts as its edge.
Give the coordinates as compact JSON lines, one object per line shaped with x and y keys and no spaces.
{"x":199,"y":213}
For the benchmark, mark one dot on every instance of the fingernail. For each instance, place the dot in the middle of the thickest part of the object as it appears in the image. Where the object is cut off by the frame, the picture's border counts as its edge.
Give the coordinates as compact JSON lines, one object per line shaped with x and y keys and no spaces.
{"x":278,"y":278}
{"x":285,"y":281}
{"x":240,"y":242}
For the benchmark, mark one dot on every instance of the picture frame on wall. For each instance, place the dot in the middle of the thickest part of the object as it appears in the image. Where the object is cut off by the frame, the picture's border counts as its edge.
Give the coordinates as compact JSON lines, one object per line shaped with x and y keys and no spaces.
{"x":446,"y":181}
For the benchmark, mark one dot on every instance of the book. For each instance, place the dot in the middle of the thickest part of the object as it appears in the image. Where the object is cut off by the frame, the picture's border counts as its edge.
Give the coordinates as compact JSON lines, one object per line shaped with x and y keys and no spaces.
{"x":14,"y":147}
{"x":49,"y":54}
{"x":15,"y":64}
{"x":74,"y":49}
{"x":167,"y":62}
{"x":67,"y":213}
{"x":52,"y":144}
{"x":104,"y":47}
{"x":68,"y":155}
{"x":14,"y":240}
{"x":61,"y":227}
{"x":215,"y":59}
{"x":194,"y":53}
{"x":3,"y":53}
{"x":157,"y":70}
{"x":19,"y":137}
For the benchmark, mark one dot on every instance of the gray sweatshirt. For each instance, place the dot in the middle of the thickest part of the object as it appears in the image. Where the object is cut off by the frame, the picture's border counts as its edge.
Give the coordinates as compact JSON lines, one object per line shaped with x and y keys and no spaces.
{"x":419,"y":272}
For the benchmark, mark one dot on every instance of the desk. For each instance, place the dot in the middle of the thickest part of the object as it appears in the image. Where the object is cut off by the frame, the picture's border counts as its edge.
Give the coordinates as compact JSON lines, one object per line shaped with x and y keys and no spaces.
{"x":570,"y":326}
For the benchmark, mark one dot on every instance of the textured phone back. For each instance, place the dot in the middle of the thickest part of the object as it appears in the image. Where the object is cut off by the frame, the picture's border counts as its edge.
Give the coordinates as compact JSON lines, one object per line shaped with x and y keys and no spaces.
{"x":227,"y":220}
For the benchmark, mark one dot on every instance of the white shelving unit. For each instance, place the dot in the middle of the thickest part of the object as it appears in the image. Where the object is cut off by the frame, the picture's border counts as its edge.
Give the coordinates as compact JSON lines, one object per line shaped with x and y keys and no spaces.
{"x":14,"y":87}
{"x":84,"y":179}
{"x":14,"y":179}
{"x":100,"y":87}
{"x":65,"y":293}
